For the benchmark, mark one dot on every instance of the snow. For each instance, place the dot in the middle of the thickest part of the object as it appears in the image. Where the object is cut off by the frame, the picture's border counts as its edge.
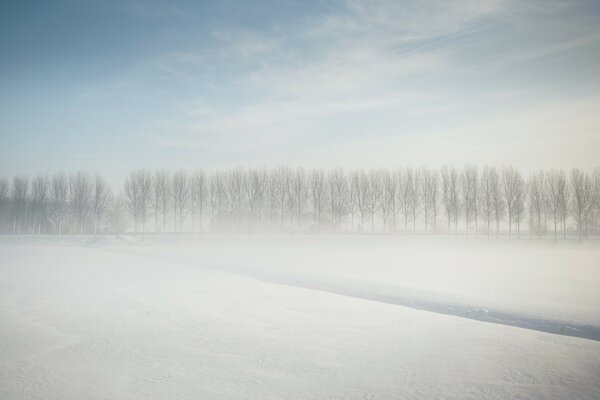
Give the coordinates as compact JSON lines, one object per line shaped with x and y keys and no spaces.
{"x":217,"y":320}
{"x":556,"y":282}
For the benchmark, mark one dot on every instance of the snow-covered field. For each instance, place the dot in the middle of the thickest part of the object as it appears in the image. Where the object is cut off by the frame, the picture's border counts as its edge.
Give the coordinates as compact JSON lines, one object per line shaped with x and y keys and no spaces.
{"x":298,"y":318}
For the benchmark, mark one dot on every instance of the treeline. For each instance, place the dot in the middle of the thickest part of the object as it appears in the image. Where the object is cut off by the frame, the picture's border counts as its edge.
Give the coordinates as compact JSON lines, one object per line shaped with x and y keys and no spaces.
{"x":472,"y":201}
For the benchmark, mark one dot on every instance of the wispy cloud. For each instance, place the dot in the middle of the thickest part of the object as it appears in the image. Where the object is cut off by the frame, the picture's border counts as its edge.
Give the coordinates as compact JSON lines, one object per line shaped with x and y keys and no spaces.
{"x":342,"y":82}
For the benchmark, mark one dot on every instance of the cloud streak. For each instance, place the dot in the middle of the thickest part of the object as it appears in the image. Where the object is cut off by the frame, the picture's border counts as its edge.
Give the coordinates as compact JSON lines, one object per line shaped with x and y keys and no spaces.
{"x":352,"y":82}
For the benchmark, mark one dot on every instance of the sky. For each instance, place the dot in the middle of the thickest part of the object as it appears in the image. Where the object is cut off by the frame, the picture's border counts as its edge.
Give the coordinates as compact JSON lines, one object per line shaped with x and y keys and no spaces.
{"x":113,"y":86}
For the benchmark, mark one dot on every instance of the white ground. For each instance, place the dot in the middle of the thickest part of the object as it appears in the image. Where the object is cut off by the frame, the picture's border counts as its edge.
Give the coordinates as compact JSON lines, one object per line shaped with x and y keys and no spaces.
{"x":115,"y":320}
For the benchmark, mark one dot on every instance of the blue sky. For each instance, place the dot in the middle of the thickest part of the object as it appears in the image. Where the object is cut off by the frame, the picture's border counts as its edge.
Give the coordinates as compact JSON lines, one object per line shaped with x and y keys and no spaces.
{"x":117,"y":85}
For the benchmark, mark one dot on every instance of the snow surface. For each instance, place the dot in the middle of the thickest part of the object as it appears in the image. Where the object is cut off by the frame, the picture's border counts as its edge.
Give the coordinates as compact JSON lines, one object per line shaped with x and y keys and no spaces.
{"x":116,"y":320}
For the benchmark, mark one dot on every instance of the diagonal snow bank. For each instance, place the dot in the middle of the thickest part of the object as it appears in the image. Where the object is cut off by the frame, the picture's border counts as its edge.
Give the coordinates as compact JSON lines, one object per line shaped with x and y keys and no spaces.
{"x":549,"y":289}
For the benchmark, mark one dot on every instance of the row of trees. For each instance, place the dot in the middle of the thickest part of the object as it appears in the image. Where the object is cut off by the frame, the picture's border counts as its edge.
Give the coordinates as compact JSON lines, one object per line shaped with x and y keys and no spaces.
{"x":469,"y":200}
{"x":54,"y":204}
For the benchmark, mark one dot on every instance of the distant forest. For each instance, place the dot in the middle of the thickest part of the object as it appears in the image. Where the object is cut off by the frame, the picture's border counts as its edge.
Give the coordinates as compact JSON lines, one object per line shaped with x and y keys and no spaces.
{"x":470,"y":201}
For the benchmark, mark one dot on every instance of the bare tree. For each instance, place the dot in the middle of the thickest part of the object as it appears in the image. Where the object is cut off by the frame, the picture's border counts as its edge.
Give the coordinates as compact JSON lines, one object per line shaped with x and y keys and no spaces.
{"x":20,"y":191}
{"x":486,"y":196}
{"x":451,"y":196}
{"x":274,"y":194}
{"x":59,"y":196}
{"x":180,"y":195}
{"x":138,"y":197}
{"x":283,"y":181}
{"x":218,"y":196}
{"x":406,"y":187}
{"x":39,"y":197}
{"x":596,"y":186}
{"x":374,"y":184}
{"x":389,"y":198}
{"x":198,"y":190}
{"x":519,"y":201}
{"x":556,"y":183}
{"x":415,"y":198}
{"x":318,"y":195}
{"x":469,"y":188}
{"x":236,"y":184}
{"x":299,"y":192}
{"x":256,"y":189}
{"x":131,"y":199}
{"x":537,"y":199}
{"x":3,"y":199}
{"x":582,"y":199}
{"x":497,"y":200}
{"x":100,"y":199}
{"x":80,"y":188}
{"x":429,"y":195}
{"x":510,"y":188}
{"x":360,"y":191}
{"x":145,"y":179}
{"x":337,"y":188}
{"x":162,"y":195}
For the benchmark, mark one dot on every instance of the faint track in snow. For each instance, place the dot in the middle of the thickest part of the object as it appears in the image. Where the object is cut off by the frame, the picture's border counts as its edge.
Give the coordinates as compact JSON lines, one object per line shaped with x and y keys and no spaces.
{"x":394,"y":295}
{"x":390,"y":294}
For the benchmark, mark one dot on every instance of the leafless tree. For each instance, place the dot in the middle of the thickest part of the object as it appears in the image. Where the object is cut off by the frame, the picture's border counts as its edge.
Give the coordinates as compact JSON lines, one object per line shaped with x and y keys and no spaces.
{"x":556,"y":183}
{"x":519,"y":201}
{"x":337,"y":188}
{"x":497,"y":200}
{"x":469,"y":189}
{"x":581,"y":186}
{"x":236,"y":189}
{"x":284,"y":175}
{"x":80,"y":187}
{"x":218,"y":196}
{"x":357,"y":197}
{"x":3,"y":199}
{"x":596,"y":194}
{"x":510,"y":188}
{"x":450,"y":195}
{"x":389,"y":199}
{"x":20,"y":189}
{"x":537,"y":199}
{"x":161,"y":185}
{"x":299,"y":192}
{"x":374,"y":185}
{"x":415,"y":198}
{"x":318,"y":195}
{"x":429,"y":195}
{"x":39,"y":198}
{"x":198,"y":190}
{"x":131,"y":199}
{"x":59,"y":191}
{"x":145,"y":178}
{"x":274,"y":194}
{"x":180,"y":195}
{"x":138,"y":197}
{"x":485,"y":195}
{"x":406,"y":187}
{"x":256,"y":188}
{"x":100,"y":199}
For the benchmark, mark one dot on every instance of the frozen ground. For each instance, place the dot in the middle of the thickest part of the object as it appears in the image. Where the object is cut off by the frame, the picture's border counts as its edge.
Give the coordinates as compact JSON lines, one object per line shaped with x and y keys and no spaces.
{"x":241,"y":319}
